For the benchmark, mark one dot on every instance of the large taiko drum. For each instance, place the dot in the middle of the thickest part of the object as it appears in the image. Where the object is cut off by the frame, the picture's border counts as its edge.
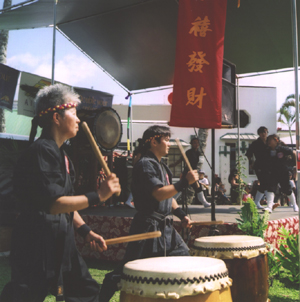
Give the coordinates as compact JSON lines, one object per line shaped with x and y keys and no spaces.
{"x":186,"y":279}
{"x":246,"y":260}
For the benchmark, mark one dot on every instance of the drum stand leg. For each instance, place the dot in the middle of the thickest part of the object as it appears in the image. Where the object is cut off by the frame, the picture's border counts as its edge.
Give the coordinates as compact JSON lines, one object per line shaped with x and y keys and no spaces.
{"x":185,"y":232}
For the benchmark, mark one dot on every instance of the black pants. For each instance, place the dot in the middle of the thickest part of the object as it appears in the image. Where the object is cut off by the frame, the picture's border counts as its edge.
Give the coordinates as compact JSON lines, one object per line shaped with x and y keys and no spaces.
{"x":79,"y":286}
{"x":264,"y":179}
{"x":281,"y":177}
{"x":174,"y":245}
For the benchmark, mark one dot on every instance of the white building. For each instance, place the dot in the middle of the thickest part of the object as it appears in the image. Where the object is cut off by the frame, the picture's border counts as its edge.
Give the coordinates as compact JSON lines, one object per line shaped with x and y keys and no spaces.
{"x":258,"y":102}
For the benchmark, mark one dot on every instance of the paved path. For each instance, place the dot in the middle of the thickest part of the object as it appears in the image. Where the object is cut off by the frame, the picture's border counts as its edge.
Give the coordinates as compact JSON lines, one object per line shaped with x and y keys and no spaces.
{"x":227,"y":213}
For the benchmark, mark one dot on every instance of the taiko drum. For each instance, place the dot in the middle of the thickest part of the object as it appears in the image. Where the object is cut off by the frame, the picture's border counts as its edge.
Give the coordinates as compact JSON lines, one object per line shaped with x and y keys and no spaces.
{"x":186,"y":279}
{"x":246,"y":260}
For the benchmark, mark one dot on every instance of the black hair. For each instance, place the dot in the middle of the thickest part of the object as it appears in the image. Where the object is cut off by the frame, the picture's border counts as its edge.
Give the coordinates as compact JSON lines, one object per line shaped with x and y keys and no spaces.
{"x":156,"y":132}
{"x":194,"y":138}
{"x":276,"y":137}
{"x":261,"y":129}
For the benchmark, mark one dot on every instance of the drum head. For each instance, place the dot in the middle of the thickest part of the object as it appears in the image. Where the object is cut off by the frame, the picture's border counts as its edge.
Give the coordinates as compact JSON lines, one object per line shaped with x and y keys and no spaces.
{"x":107,"y":129}
{"x":174,"y":277}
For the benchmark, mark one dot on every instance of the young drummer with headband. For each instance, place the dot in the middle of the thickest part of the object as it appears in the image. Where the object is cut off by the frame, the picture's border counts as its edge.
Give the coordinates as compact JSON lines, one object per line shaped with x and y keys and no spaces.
{"x":153,"y":193}
{"x":44,"y":257}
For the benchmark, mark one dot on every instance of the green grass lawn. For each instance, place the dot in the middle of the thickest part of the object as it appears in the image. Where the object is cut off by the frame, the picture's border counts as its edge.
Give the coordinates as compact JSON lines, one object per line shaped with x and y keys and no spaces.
{"x":280,"y":291}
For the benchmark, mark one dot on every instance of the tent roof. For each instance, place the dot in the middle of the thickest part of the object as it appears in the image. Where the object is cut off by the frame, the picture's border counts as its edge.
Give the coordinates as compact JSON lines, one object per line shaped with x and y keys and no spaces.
{"x":134,"y":40}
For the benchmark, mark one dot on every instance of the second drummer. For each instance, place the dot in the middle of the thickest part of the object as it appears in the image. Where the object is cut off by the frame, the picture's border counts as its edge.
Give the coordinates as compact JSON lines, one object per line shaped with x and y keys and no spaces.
{"x":153,"y":193}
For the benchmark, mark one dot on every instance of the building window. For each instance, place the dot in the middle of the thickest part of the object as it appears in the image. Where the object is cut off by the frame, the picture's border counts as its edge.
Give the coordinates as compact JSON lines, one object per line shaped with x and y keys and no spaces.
{"x":251,"y":170}
{"x":232,"y":148}
{"x":173,"y":156}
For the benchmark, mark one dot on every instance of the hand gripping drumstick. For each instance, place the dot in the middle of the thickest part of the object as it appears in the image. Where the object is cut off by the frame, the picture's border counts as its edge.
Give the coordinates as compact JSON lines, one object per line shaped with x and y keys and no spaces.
{"x":207,"y":222}
{"x":96,"y":149}
{"x":185,"y":158}
{"x":136,"y":237}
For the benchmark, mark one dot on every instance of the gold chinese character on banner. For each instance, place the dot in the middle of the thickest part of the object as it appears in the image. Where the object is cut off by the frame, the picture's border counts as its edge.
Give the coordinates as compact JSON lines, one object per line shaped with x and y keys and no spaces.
{"x":196,"y":63}
{"x":194,"y":99}
{"x":200,"y":26}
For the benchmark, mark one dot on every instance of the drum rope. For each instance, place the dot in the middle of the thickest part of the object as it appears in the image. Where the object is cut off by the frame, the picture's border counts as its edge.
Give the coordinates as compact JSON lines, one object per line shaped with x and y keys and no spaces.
{"x":160,"y":281}
{"x":257,"y":247}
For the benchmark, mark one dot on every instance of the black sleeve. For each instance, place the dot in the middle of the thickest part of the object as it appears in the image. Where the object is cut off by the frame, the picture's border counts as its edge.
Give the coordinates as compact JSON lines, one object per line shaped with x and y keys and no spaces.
{"x":40,"y":177}
{"x":148,"y":176}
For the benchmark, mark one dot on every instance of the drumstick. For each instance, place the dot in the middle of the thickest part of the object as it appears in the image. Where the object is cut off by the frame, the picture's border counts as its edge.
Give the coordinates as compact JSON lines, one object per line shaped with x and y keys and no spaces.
{"x":130,"y":238}
{"x":185,"y":158}
{"x":207,"y":222}
{"x":96,"y":149}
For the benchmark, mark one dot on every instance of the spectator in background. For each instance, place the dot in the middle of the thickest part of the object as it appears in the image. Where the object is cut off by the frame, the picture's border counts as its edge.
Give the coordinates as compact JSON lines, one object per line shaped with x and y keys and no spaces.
{"x":217,"y":182}
{"x":204,"y":182}
{"x":202,"y":196}
{"x":234,"y":185}
{"x":221,"y":195}
{"x":247,"y":193}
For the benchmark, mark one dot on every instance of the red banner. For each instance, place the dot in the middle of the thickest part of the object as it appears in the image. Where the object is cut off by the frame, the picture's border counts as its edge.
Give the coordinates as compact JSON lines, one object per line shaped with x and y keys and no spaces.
{"x":197,"y":92}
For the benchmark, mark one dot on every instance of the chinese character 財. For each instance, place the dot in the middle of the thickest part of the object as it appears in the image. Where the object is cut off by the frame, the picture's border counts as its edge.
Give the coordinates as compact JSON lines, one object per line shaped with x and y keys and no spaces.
{"x":196,"y":64}
{"x":193,"y":98}
{"x":200,"y":26}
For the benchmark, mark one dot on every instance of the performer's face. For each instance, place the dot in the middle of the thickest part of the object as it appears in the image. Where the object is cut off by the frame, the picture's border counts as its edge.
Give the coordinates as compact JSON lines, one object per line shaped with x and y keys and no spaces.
{"x":195,"y":144}
{"x":272,"y":143}
{"x":70,"y":121}
{"x":263,"y":135}
{"x":164,"y":145}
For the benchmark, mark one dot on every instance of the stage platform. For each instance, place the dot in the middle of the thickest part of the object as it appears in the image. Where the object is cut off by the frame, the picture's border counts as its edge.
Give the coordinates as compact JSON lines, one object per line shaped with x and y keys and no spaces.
{"x":227,"y":213}
{"x":115,"y":221}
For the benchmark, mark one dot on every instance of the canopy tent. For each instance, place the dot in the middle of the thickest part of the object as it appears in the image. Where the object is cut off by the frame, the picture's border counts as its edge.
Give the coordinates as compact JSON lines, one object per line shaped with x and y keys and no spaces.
{"x":134,"y":40}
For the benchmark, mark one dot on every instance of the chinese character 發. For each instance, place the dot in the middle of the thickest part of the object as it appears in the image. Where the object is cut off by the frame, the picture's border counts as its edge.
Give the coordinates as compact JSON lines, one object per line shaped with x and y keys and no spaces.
{"x":200,"y":26}
{"x":193,"y":98}
{"x":196,"y":64}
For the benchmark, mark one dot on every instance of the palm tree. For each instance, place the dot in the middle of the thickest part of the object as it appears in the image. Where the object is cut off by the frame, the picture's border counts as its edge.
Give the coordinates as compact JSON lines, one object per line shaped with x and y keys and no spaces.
{"x":3,"y":53}
{"x":287,"y":113}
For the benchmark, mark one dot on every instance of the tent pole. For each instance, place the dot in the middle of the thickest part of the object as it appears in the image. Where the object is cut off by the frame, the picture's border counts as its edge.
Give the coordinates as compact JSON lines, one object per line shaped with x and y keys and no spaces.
{"x":131,"y":129}
{"x":239,"y":140}
{"x":53,"y":41}
{"x":295,"y":59}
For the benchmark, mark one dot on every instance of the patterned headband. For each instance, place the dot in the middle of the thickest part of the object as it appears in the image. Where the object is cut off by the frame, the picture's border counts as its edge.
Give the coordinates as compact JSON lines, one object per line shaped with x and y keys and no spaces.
{"x":152,"y":137}
{"x":58,"y":107}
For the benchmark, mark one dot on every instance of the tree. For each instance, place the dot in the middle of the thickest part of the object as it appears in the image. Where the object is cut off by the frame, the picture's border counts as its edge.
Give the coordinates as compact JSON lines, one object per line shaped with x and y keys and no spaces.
{"x":287,"y":113}
{"x":202,"y":136}
{"x":3,"y":54}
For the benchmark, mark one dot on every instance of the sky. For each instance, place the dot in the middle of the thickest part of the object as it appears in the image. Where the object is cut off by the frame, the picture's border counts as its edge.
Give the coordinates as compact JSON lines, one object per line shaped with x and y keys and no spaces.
{"x":31,"y":51}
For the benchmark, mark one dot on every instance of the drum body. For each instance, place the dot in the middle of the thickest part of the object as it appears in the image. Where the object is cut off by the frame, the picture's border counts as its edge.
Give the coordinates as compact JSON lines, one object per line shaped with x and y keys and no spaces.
{"x":182,"y":278}
{"x":246,"y":260}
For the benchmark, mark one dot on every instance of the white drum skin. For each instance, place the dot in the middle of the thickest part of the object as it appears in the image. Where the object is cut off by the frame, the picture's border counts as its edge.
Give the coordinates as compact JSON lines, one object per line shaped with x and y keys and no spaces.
{"x":181,"y":278}
{"x":246,"y":260}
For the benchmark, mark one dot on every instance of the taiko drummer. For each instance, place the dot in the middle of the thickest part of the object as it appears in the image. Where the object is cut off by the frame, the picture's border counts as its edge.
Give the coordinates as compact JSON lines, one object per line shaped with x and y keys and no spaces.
{"x":43,"y":254}
{"x":153,"y":193}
